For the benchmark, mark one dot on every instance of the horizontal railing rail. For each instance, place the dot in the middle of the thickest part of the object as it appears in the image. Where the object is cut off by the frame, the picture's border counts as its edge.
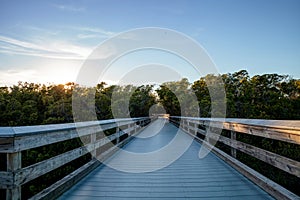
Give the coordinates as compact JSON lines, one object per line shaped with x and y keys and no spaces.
{"x":15,"y":140}
{"x":282,"y":130}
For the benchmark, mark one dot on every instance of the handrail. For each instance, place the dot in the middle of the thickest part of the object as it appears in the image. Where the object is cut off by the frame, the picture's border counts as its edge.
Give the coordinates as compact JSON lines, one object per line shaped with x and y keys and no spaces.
{"x":282,"y":130}
{"x":14,"y":140}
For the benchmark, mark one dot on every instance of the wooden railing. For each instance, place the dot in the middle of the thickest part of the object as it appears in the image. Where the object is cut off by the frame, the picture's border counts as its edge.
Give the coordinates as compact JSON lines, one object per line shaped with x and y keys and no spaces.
{"x":281,"y":130}
{"x":15,"y":140}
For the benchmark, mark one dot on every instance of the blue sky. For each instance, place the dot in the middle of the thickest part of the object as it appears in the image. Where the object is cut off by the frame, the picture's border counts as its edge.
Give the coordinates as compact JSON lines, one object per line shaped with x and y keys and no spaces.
{"x":47,"y":41}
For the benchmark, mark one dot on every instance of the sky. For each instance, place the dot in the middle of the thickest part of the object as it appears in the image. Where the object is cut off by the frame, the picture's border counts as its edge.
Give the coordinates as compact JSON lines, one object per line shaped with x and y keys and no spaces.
{"x":48,"y":41}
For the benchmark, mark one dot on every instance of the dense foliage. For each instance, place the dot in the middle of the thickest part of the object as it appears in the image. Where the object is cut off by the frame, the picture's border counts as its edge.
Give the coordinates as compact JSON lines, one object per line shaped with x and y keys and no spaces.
{"x":31,"y":104}
{"x":268,"y":96}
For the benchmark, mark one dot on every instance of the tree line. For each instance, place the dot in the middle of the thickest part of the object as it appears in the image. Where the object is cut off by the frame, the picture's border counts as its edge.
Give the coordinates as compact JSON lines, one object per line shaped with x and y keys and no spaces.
{"x":268,"y":96}
{"x":32,"y":104}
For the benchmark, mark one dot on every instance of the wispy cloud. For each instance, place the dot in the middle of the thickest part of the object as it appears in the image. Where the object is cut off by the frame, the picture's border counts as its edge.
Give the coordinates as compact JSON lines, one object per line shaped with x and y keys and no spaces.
{"x":88,"y":32}
{"x":87,"y":36}
{"x":70,"y":8}
{"x":40,"y":30}
{"x":53,"y":49}
{"x":96,"y":30}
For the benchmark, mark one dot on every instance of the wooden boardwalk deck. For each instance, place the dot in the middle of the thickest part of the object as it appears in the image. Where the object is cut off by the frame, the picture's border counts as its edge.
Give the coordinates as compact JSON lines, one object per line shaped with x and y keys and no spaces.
{"x":187,"y":177}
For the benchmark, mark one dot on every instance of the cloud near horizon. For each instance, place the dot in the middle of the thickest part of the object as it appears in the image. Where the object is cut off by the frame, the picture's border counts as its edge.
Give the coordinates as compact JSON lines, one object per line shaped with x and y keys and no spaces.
{"x":55,"y":49}
{"x":52,"y":55}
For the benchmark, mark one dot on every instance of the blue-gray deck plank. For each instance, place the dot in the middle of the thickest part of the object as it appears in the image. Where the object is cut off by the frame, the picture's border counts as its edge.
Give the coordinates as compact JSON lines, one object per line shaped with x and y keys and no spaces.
{"x":187,"y":177}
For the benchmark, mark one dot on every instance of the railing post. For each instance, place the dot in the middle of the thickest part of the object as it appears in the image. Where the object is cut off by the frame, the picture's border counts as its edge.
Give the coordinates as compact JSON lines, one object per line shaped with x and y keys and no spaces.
{"x":196,"y":128}
{"x":188,"y":126}
{"x":118,"y":134}
{"x":233,"y":137}
{"x":129,"y":126}
{"x":93,"y":141}
{"x":207,"y":130}
{"x":13,"y":161}
{"x":183,"y":124}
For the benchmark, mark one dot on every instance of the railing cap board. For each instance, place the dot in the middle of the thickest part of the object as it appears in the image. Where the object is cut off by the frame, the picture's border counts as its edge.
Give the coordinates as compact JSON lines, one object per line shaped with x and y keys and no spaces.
{"x":36,"y":129}
{"x":280,"y":124}
{"x":6,"y":131}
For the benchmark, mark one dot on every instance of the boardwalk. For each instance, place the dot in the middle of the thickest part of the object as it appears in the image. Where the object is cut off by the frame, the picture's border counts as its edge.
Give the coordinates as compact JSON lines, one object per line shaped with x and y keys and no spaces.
{"x":187,"y":177}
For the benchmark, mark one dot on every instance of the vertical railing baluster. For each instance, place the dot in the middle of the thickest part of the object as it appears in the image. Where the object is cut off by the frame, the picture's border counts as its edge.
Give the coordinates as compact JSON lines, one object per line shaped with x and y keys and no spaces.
{"x":118,"y":134}
{"x":93,"y":142}
{"x":233,"y":137}
{"x":196,"y":128}
{"x":14,"y":163}
{"x":128,"y":127}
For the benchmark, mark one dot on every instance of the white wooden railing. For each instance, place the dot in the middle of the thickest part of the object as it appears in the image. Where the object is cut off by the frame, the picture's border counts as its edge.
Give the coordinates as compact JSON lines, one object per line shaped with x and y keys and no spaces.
{"x":282,"y":130}
{"x":15,"y":140}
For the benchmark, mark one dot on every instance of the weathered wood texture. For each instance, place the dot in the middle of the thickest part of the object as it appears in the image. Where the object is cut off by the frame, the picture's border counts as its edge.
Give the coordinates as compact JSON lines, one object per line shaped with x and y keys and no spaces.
{"x":13,"y":140}
{"x":281,"y":162}
{"x":283,"y":130}
{"x":6,"y":180}
{"x":287,"y":131}
{"x":14,"y":164}
{"x":36,"y":170}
